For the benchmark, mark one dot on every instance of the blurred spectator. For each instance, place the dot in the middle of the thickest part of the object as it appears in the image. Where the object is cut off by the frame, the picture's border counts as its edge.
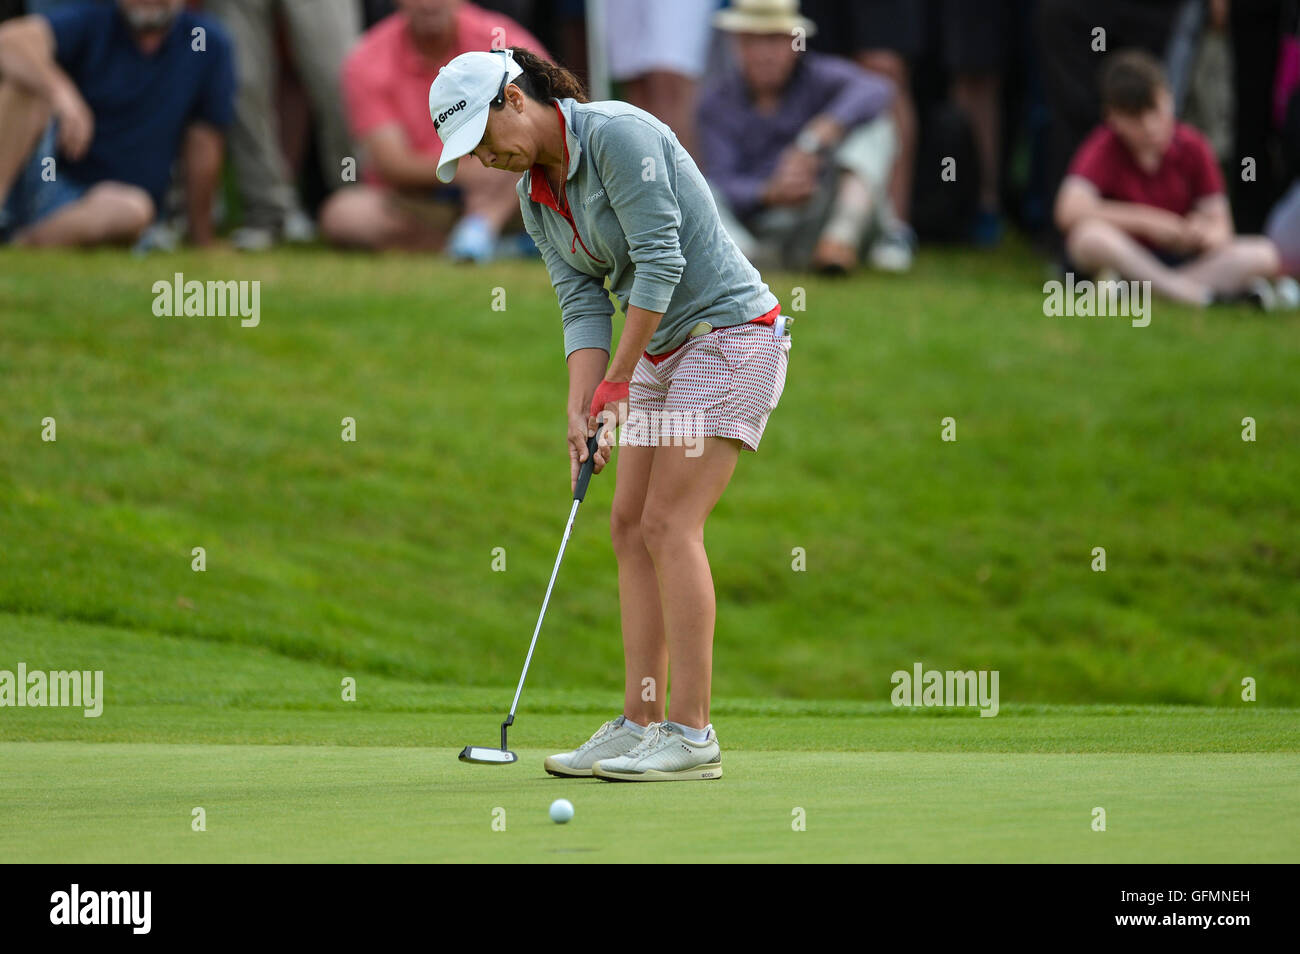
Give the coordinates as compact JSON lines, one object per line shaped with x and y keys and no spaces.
{"x":885,"y":37}
{"x":1283,"y":225}
{"x":562,"y":26}
{"x":1257,"y":29}
{"x":386,"y":83}
{"x":97,"y":102}
{"x":523,"y":12}
{"x":49,"y":6}
{"x":1144,"y":198}
{"x":1283,"y":229}
{"x":372,"y":11}
{"x":1073,"y":39}
{"x":1208,"y":104}
{"x":658,"y":51}
{"x":798,"y":147}
{"x":320,"y":33}
{"x":976,"y":42}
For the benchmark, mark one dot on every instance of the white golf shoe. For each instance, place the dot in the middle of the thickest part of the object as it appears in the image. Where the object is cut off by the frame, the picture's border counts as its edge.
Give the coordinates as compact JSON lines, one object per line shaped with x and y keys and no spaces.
{"x":664,"y":755}
{"x":612,"y":739}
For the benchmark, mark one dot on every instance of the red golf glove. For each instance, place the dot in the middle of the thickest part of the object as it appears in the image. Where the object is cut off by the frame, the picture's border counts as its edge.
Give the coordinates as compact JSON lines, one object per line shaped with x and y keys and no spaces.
{"x":607,"y":392}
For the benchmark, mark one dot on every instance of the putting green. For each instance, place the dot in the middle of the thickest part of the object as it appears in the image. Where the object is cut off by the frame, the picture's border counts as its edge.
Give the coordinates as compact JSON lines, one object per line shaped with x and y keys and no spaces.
{"x":92,"y":802}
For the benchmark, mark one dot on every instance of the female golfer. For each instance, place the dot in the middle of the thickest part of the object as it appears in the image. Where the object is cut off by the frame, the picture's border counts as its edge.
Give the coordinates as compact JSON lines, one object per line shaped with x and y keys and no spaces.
{"x":608,"y":192}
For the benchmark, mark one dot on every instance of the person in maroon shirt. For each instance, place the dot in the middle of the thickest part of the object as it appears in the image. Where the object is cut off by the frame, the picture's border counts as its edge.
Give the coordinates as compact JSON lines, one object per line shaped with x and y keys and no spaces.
{"x":1144,"y":197}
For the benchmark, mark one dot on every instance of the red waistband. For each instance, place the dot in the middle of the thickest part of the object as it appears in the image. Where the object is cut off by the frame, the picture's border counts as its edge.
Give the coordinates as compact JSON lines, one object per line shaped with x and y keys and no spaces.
{"x":768,"y":319}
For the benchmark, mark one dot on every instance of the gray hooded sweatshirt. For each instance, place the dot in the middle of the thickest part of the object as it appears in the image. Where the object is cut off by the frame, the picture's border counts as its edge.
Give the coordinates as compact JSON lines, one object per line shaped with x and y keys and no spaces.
{"x":641,"y":214}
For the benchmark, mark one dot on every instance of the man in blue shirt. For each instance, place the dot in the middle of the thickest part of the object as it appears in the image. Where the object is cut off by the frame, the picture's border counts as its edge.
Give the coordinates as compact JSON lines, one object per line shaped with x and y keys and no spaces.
{"x":97,"y":102}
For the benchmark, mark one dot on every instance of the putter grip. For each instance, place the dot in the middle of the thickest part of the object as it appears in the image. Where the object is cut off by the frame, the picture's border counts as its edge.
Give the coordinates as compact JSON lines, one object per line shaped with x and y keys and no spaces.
{"x":584,"y":475}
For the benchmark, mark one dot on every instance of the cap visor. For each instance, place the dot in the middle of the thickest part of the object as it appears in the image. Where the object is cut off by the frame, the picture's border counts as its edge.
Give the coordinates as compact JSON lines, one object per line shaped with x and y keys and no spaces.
{"x":461,"y":143}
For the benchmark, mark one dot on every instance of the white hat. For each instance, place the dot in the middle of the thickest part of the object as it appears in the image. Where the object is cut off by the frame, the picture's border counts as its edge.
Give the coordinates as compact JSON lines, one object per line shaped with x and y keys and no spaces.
{"x":459,"y":99}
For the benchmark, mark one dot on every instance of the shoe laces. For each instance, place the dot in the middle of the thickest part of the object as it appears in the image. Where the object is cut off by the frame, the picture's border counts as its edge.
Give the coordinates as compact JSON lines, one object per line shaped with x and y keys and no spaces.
{"x":599,"y":734}
{"x":654,"y":734}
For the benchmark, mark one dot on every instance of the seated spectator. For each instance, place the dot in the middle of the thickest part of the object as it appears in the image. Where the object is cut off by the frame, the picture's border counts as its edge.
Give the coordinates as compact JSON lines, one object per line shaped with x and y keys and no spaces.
{"x":320,"y":33}
{"x":798,"y":147}
{"x":1144,"y":198}
{"x":887,"y":38}
{"x":386,"y":82}
{"x":97,"y":102}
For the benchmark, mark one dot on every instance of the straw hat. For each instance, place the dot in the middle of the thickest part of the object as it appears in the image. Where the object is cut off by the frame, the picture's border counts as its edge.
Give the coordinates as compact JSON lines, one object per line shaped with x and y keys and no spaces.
{"x":763,"y":16}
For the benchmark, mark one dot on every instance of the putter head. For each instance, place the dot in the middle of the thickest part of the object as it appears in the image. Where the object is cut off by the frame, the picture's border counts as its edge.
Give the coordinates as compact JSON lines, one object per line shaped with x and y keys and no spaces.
{"x":485,"y":755}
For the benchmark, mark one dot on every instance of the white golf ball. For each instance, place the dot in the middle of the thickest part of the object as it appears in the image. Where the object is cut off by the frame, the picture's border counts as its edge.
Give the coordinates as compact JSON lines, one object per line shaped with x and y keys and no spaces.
{"x":561,"y":810}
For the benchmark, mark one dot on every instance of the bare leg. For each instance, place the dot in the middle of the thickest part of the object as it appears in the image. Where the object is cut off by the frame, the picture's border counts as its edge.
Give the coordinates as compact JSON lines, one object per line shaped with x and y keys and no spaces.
{"x":111,"y":212}
{"x":645,"y":651}
{"x":363,"y":216}
{"x":1094,"y":245}
{"x":978,"y":96}
{"x":893,"y":66}
{"x":683,"y":491}
{"x":23,"y":117}
{"x":851,"y":214}
{"x":671,"y":98}
{"x":1230,"y":268}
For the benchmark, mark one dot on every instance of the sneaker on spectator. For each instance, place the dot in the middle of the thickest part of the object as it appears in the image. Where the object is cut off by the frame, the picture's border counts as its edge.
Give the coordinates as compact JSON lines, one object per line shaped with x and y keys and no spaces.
{"x":298,"y":228}
{"x":892,"y":251}
{"x":517,"y":245}
{"x":1259,"y":292}
{"x":472,"y":240}
{"x":253,"y":238}
{"x":159,"y":237}
{"x":986,"y":231}
{"x":1288,"y":292}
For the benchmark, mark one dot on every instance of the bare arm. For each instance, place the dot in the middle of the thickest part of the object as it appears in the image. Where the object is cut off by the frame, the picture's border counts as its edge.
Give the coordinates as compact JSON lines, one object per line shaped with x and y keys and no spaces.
{"x":1212,"y":221}
{"x":397,"y":163}
{"x":1079,"y":200}
{"x":27,"y":55}
{"x":201,"y":154}
{"x":27,"y":58}
{"x":586,"y":368}
{"x":638,"y":329}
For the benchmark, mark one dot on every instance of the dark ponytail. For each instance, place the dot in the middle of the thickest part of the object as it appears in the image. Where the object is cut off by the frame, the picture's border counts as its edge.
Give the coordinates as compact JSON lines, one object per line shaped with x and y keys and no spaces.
{"x":544,"y":81}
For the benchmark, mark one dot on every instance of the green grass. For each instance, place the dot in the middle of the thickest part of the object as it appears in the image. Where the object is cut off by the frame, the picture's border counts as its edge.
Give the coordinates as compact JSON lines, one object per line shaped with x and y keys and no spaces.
{"x":285,"y":770}
{"x":372,"y":560}
{"x":376,"y":555}
{"x":125,"y":803}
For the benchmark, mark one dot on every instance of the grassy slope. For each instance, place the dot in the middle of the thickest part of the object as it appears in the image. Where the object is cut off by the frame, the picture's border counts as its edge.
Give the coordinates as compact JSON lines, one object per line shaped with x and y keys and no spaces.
{"x":167,"y":689}
{"x":374,"y":557}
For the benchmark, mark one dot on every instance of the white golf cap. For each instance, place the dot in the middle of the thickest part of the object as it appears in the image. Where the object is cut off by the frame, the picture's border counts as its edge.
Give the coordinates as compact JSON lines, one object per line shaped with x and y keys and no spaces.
{"x":459,"y":99}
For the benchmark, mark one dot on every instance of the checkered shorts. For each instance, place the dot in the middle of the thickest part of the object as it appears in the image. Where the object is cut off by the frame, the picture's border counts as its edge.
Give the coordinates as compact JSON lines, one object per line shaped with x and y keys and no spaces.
{"x":721,"y":384}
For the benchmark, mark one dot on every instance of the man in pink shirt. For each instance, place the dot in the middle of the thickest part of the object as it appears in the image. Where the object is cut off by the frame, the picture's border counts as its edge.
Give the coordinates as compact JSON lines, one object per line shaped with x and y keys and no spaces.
{"x":1144,"y":198}
{"x":386,"y":81}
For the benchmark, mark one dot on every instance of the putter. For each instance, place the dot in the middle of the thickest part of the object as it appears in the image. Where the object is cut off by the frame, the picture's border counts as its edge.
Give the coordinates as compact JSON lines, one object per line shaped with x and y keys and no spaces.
{"x":485,"y":755}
